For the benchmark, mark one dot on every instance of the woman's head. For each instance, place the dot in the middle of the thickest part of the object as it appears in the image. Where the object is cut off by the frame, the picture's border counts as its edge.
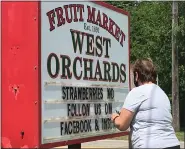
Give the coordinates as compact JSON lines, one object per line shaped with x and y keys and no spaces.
{"x":144,"y":72}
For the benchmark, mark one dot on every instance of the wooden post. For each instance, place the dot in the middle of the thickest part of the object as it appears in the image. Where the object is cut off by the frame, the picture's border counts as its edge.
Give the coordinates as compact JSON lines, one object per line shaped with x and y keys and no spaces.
{"x":74,"y":146}
{"x":175,"y":77}
{"x":129,"y":142}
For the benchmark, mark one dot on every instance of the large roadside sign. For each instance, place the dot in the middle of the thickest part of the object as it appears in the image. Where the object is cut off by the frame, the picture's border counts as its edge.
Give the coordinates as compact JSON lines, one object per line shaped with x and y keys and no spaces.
{"x":84,"y":69}
{"x":65,"y":70}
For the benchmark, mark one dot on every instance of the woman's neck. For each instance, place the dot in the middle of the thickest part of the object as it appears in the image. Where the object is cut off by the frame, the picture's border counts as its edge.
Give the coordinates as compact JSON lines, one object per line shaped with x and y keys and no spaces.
{"x":147,"y":83}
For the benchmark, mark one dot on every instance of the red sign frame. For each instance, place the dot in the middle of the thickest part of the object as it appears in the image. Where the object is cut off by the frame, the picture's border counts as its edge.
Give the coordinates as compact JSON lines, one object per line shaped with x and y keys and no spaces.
{"x":21,"y":75}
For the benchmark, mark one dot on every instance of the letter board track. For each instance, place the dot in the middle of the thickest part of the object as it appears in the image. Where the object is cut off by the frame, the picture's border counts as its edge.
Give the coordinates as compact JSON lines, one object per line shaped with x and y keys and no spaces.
{"x":84,"y":69}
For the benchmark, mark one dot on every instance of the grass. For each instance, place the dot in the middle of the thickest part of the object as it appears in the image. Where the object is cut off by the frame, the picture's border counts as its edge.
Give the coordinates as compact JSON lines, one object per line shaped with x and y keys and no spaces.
{"x":180,"y":136}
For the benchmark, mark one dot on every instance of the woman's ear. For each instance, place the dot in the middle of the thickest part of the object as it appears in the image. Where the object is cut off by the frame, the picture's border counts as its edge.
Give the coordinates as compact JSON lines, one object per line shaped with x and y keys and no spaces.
{"x":135,"y":76}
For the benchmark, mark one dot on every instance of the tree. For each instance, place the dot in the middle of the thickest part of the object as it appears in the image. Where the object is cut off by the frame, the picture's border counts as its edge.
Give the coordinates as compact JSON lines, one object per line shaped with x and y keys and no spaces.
{"x":151,"y":37}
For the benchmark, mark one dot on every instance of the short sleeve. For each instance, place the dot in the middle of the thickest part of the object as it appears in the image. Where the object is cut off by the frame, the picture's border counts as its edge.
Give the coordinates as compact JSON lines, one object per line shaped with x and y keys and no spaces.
{"x":134,"y":100}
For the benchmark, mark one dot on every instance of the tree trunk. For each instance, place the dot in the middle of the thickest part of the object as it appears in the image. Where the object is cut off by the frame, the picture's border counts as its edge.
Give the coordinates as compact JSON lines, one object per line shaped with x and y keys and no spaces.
{"x":175,"y":77}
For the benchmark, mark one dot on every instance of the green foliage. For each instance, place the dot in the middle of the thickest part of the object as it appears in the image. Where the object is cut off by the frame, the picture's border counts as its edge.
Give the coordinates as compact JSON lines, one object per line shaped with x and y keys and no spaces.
{"x":181,"y":48}
{"x":151,"y":32}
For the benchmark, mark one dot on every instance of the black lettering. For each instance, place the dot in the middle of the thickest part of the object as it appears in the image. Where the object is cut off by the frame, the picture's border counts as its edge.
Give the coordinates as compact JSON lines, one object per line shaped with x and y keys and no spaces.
{"x":78,"y":109}
{"x":65,"y":67}
{"x":77,"y":42}
{"x":98,"y":71}
{"x":70,"y":127}
{"x":63,"y":93}
{"x":99,"y":46}
{"x":107,"y":45}
{"x":75,"y":68}
{"x":97,"y":109}
{"x":122,"y":73}
{"x":96,"y":125}
{"x":61,"y":128}
{"x":75,"y":94}
{"x":74,"y":127}
{"x":89,"y":125}
{"x":71,"y":93}
{"x":86,"y":68}
{"x":68,"y":110}
{"x":115,"y":72}
{"x":107,"y":76}
{"x":85,"y":126}
{"x":66,"y":128}
{"x":81,"y":126}
{"x":77,"y":126}
{"x":90,"y":93}
{"x":110,"y":93}
{"x":101,"y":94}
{"x":79,"y":93}
{"x":57,"y":64}
{"x":67,"y":89}
{"x":83,"y":93}
{"x":108,"y":108}
{"x":90,"y":41}
{"x":106,"y":124}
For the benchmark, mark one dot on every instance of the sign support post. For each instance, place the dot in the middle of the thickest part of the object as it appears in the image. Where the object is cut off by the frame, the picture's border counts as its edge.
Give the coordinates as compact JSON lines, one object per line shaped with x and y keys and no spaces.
{"x":74,"y":146}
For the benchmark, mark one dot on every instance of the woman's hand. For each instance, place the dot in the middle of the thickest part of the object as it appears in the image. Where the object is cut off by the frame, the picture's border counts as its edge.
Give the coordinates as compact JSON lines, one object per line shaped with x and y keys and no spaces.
{"x":114,"y":116}
{"x":122,"y":121}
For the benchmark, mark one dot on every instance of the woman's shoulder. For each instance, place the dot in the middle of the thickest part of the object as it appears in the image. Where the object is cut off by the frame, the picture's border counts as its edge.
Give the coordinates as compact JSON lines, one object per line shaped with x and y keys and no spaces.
{"x":144,"y":90}
{"x":146,"y":87}
{"x":137,"y":92}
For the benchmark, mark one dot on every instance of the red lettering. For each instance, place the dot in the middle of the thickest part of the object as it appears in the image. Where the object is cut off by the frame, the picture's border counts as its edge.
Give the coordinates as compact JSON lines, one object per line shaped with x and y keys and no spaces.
{"x":81,"y":8}
{"x":105,"y":21}
{"x":68,"y":19}
{"x":111,"y":23}
{"x":74,"y":6}
{"x":61,"y":20}
{"x":51,"y":16}
{"x":117,"y":32}
{"x":91,"y":15}
{"x":122,"y":38}
{"x":98,"y":19}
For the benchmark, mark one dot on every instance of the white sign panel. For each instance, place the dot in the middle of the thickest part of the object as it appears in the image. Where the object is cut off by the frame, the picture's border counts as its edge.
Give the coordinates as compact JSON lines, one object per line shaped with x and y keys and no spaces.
{"x":85,"y":69}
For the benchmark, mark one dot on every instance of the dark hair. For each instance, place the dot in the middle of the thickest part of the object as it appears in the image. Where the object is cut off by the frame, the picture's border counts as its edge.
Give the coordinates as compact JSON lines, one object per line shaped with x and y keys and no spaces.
{"x":146,"y":70}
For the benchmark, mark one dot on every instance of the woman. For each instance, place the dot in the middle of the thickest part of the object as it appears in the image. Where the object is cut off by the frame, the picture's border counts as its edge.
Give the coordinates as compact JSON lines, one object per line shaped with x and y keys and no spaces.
{"x":147,"y":111}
